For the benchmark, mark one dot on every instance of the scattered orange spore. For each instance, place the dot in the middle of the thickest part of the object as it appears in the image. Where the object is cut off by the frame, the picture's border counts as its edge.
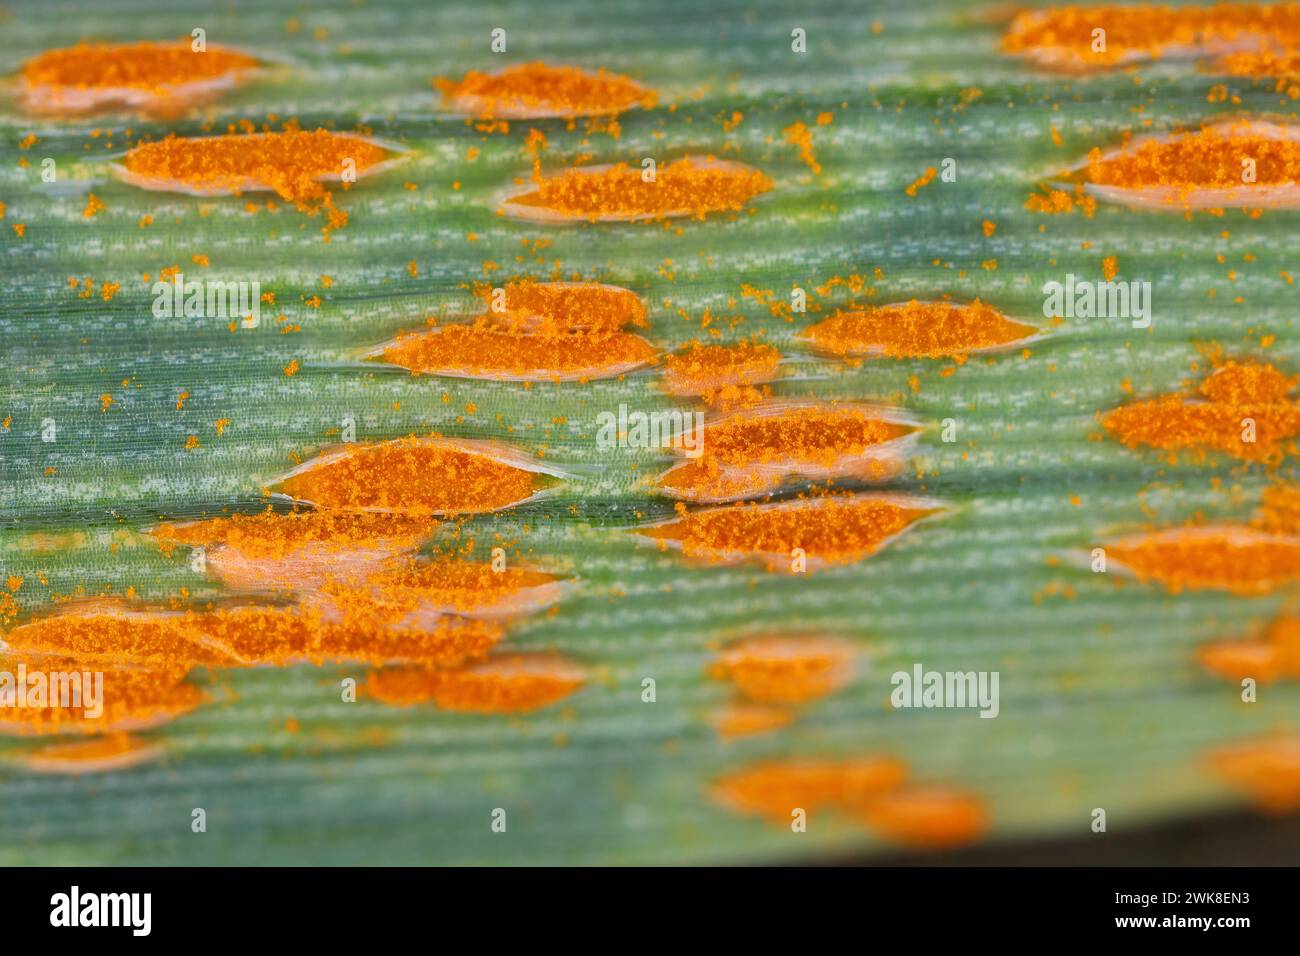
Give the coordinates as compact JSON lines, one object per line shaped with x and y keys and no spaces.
{"x":740,"y":719}
{"x":1234,"y":558}
{"x":774,"y":789}
{"x":479,"y":351}
{"x":785,"y":669}
{"x":927,"y":817}
{"x":416,"y":477}
{"x":96,"y":755}
{"x":921,"y":181}
{"x":294,"y":163}
{"x":558,"y":308}
{"x":1062,"y":37}
{"x":1267,"y":770}
{"x":538,"y":90}
{"x":916,"y":330}
{"x":1058,"y":202}
{"x":1233,"y":397}
{"x":691,"y":186}
{"x":715,"y":372}
{"x":798,"y":134}
{"x":830,"y":530}
{"x":1204,"y":169}
{"x":752,"y":452}
{"x":500,"y":685}
{"x":159,"y":76}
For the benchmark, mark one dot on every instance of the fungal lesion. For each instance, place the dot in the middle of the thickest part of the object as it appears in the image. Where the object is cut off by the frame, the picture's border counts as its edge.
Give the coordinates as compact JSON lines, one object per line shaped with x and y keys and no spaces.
{"x":420,"y":477}
{"x":796,"y":535}
{"x":1091,"y":38}
{"x":1266,"y":770}
{"x":1272,"y":656}
{"x":278,"y":550}
{"x":105,"y":754}
{"x":917,"y":329}
{"x":160,"y":78}
{"x":1243,"y":408}
{"x":871,"y":791}
{"x":690,"y":187}
{"x":1251,"y":558}
{"x":757,"y":451}
{"x":532,"y":332}
{"x":293,"y":163}
{"x":483,"y":350}
{"x":540,"y":90}
{"x":1226,"y":164}
{"x":504,"y":684}
{"x":774,"y":676}
{"x":1235,"y":164}
{"x":725,"y":376}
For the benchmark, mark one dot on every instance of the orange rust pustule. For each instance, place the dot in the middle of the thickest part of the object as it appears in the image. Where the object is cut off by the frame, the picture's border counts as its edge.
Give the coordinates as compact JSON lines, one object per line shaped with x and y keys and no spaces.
{"x":1275,"y":657}
{"x":461,"y":587}
{"x":929,"y":817}
{"x":479,"y":351}
{"x":1234,"y":381}
{"x":271,"y":534}
{"x":1279,"y":511}
{"x":538,"y":90}
{"x":94,"y":755}
{"x":293,"y":163}
{"x":415,"y":476}
{"x":270,"y":636}
{"x":1177,"y":424}
{"x":557,"y":308}
{"x":1203,"y":169}
{"x":132,"y":699}
{"x":741,"y":719}
{"x":704,"y":481}
{"x":1062,"y":37}
{"x":785,"y":669}
{"x":111,"y":635}
{"x":804,"y":434}
{"x":916,"y":330}
{"x":1243,"y":411}
{"x":775,"y":789}
{"x":714,"y":372}
{"x":688,"y":187}
{"x":1234,"y":558}
{"x":1267,"y":770}
{"x":753,"y":452}
{"x":1282,"y":65}
{"x":829,"y":530}
{"x":161,"y":76}
{"x":501,"y":685}
{"x":174,"y":643}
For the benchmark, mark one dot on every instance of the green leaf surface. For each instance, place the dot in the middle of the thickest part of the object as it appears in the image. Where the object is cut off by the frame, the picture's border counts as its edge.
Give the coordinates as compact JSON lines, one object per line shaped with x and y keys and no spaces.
{"x":1102,"y":702}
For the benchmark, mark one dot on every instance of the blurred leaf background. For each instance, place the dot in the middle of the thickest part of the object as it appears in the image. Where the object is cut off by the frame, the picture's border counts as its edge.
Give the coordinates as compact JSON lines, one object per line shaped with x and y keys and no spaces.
{"x":1102,"y":703}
